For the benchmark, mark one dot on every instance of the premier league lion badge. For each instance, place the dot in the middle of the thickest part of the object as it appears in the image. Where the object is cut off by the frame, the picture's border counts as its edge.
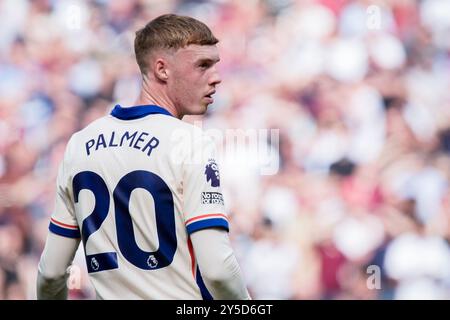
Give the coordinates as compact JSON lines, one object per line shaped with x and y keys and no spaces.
{"x":212,"y":173}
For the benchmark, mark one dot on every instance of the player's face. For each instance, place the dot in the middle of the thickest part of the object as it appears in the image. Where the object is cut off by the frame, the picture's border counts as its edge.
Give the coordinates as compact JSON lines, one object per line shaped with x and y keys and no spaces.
{"x":194,"y":78}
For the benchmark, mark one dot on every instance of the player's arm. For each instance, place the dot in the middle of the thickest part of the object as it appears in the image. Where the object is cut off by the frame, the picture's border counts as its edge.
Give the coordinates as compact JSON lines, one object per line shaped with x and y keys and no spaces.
{"x":52,"y":275}
{"x":62,"y":240}
{"x":207,"y":224}
{"x":218,"y":265}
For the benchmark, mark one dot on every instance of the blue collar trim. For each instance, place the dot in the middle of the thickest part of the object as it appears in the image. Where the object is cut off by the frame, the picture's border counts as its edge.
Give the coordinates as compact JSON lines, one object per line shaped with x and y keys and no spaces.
{"x":137,"y":112}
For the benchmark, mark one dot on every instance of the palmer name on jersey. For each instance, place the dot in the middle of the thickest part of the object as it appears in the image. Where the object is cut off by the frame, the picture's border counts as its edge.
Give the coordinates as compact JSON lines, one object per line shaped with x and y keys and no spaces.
{"x":140,"y":140}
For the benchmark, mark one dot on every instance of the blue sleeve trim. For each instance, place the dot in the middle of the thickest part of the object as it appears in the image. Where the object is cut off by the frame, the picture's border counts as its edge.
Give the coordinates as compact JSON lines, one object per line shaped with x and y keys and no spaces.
{"x":208,"y":223}
{"x":69,"y":233}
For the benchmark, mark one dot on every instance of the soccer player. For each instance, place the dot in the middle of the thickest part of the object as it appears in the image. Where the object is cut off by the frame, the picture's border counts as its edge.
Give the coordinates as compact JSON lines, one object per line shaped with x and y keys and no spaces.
{"x":147,"y":207}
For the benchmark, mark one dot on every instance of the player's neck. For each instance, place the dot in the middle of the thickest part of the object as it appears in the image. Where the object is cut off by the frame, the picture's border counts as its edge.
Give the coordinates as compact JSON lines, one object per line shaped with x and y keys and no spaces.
{"x":153,"y":95}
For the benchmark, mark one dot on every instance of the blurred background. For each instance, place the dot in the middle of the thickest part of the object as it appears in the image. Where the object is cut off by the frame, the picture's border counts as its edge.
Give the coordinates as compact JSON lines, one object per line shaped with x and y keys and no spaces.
{"x":359,"y":90}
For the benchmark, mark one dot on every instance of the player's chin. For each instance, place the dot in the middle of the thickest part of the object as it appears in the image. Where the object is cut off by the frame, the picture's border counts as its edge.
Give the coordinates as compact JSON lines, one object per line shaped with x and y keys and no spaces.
{"x":197,"y":110}
{"x":203,"y":105}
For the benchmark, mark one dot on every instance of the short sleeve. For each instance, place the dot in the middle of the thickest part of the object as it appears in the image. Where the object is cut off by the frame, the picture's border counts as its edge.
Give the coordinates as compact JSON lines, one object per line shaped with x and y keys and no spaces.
{"x":63,"y":221}
{"x":203,"y":205}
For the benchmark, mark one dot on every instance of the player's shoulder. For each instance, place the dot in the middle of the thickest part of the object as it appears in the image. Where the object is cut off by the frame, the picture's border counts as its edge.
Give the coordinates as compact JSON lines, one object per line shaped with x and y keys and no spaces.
{"x":176,"y":123}
{"x":178,"y":128}
{"x":95,"y":125}
{"x":86,"y":131}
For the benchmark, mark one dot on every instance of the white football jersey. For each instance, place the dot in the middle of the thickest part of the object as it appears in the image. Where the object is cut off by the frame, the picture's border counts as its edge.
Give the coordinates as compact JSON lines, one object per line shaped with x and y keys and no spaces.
{"x":134,"y":185}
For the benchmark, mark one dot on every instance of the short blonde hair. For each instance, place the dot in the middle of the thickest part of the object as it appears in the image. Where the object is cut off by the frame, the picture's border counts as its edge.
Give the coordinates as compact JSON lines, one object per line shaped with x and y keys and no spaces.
{"x":170,"y":31}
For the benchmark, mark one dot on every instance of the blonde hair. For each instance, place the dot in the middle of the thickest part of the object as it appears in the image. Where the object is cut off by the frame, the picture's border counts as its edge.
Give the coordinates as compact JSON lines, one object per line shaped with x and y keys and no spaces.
{"x":170,"y":31}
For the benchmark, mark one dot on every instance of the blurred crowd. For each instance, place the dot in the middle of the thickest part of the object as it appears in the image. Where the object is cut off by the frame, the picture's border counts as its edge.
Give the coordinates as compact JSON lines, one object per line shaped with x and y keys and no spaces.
{"x":359,"y":91}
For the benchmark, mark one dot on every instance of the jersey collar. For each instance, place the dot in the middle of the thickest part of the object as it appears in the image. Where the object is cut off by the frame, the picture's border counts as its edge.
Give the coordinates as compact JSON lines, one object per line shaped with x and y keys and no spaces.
{"x":137,"y":112}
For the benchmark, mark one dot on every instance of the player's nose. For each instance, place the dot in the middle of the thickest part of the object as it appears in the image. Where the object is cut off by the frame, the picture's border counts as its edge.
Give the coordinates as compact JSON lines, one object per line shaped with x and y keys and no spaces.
{"x":215,"y":78}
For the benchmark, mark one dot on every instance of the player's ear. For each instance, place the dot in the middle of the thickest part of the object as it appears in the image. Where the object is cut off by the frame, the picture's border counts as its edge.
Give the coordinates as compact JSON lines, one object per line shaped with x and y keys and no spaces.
{"x":160,"y":69}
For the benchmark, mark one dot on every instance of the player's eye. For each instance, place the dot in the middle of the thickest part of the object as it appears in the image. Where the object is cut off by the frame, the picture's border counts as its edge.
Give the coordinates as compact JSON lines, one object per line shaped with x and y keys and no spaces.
{"x":204,"y":65}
